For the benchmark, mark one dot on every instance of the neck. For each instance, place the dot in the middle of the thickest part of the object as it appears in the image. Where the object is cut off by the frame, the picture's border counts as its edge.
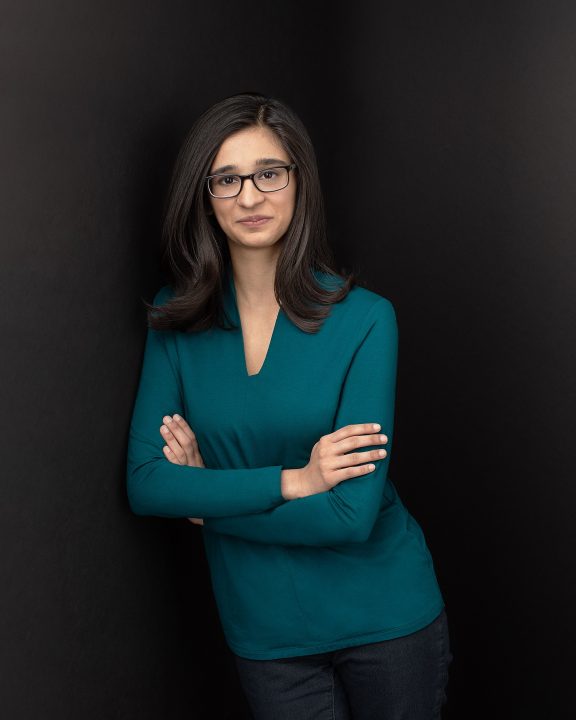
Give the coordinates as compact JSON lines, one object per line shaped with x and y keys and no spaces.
{"x":253,"y":273}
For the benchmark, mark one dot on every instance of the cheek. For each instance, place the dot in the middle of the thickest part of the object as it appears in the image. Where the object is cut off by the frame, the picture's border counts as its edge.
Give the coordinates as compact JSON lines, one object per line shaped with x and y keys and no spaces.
{"x":293,"y":194}
{"x":221,"y":216}
{"x":291,"y":206}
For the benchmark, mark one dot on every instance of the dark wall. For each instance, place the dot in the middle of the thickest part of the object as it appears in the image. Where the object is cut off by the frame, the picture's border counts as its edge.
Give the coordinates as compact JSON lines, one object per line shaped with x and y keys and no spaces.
{"x":445,"y":137}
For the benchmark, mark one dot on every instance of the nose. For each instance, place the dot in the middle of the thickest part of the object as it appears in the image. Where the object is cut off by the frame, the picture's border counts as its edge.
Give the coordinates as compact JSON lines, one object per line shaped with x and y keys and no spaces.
{"x":249,"y":195}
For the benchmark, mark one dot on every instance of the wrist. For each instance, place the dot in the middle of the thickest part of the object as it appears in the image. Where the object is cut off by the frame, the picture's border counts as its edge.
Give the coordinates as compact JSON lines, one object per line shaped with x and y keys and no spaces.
{"x":290,"y":483}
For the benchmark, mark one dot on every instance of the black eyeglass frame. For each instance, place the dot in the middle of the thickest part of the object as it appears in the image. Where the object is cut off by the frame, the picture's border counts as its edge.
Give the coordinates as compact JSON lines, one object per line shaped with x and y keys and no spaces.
{"x":292,"y":166}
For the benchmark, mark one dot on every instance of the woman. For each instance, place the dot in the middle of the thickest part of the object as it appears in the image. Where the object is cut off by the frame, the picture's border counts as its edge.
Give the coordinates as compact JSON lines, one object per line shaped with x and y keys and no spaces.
{"x":265,"y":400}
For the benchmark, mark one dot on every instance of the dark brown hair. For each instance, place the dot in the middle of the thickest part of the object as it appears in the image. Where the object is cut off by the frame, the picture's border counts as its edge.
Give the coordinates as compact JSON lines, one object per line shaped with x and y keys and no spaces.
{"x":195,"y":248}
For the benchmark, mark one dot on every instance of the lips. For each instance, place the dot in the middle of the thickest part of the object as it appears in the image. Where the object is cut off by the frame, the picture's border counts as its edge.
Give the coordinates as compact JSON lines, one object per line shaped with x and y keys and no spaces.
{"x":254,"y":218}
{"x":259,"y":222}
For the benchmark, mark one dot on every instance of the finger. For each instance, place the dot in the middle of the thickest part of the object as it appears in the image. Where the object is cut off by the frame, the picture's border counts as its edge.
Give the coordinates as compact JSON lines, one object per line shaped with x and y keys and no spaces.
{"x":357,"y":429}
{"x":356,"y":458}
{"x":174,"y":445}
{"x":346,"y":473}
{"x":359,"y":441}
{"x":170,"y":455}
{"x":184,"y":425}
{"x":185,"y":441}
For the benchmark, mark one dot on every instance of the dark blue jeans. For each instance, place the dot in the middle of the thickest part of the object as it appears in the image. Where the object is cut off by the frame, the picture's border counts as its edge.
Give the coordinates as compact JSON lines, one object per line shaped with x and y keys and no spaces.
{"x":404,"y":678}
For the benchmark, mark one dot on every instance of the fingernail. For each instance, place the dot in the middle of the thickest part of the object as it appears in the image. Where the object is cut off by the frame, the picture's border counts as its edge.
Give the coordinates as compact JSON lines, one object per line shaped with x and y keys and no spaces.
{"x":177,"y":417}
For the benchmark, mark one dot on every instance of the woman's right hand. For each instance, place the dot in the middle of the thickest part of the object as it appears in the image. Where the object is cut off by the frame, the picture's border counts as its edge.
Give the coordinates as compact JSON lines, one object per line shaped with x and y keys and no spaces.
{"x":331,"y":461}
{"x":181,"y":446}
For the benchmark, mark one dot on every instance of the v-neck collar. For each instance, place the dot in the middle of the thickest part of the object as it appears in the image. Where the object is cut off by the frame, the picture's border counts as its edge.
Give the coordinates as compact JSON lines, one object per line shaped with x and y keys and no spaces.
{"x":231,"y":305}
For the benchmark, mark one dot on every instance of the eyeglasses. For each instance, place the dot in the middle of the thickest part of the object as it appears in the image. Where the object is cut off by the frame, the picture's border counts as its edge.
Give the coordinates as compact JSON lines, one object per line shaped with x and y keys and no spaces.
{"x":268,"y":180}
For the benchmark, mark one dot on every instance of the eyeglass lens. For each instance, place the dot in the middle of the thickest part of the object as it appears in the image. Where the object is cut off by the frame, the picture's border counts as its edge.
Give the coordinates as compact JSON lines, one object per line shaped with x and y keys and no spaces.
{"x":266,"y":180}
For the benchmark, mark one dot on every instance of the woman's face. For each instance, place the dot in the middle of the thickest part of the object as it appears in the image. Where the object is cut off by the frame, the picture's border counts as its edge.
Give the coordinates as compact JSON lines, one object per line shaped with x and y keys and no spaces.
{"x":244,"y":151}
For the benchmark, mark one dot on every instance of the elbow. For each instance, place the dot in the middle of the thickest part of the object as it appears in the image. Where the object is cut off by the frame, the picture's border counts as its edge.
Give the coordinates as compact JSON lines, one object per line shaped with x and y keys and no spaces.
{"x":149,"y":493}
{"x":354,"y":523}
{"x":361,"y":530}
{"x":136,"y":507}
{"x":138,"y":490}
{"x":357,"y":532}
{"x":136,"y":502}
{"x":360,"y":534}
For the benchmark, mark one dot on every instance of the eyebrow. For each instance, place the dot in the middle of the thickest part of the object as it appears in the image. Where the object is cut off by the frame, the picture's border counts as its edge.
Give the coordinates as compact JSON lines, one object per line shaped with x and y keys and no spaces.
{"x":261,"y":161}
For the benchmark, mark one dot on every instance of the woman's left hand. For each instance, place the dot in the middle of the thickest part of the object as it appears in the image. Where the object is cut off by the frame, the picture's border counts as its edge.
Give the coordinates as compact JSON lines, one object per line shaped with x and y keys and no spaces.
{"x":181,"y":446}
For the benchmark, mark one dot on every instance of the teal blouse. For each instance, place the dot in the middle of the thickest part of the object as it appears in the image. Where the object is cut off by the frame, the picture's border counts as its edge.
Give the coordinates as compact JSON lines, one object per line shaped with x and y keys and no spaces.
{"x":291,"y":577}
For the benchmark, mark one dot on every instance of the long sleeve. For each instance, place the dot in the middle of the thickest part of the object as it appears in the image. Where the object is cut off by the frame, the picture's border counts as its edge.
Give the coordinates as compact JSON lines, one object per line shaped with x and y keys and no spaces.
{"x":347,"y":512}
{"x":158,"y":487}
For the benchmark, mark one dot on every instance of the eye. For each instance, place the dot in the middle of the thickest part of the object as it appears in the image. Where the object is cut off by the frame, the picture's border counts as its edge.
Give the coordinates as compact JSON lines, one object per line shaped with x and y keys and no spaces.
{"x":268,"y":174}
{"x":224,"y":178}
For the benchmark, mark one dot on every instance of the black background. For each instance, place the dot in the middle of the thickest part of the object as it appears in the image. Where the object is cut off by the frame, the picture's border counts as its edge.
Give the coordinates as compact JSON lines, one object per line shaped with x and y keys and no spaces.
{"x":445,"y":138}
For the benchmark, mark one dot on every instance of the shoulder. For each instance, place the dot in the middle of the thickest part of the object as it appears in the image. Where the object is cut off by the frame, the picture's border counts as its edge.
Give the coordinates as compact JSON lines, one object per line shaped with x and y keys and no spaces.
{"x":163,"y":295}
{"x":361,"y":306}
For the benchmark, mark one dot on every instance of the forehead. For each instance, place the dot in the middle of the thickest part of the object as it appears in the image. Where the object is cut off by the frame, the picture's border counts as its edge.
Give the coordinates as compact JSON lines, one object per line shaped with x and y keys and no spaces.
{"x":245,"y":147}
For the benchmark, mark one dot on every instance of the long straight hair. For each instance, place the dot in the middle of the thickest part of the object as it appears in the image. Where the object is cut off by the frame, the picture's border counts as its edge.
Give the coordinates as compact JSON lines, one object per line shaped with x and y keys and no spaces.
{"x":195,"y":249}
